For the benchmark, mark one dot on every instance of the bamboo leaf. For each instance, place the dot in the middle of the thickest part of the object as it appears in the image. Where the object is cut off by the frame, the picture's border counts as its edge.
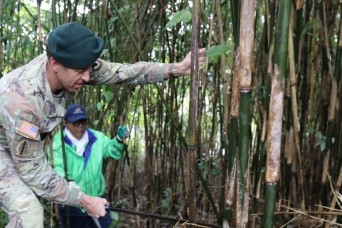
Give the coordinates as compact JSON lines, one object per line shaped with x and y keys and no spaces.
{"x":320,"y":140}
{"x":180,"y":16}
{"x":108,"y":95}
{"x":307,"y":27}
{"x":114,"y":215}
{"x":215,"y":172}
{"x":322,"y":145}
{"x":215,"y":51}
{"x":99,"y":105}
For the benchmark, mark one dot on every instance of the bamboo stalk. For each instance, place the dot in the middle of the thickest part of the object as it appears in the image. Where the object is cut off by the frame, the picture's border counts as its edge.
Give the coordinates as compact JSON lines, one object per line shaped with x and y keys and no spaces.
{"x":234,"y":110}
{"x":312,"y":74}
{"x":235,"y":11}
{"x":127,"y":29}
{"x":326,"y":37}
{"x":223,"y":71}
{"x":336,"y":190}
{"x":192,"y":138}
{"x":244,"y":74}
{"x":276,"y":112}
{"x":225,"y":89}
{"x":274,"y":145}
{"x":294,"y":105}
{"x":293,"y":85}
{"x":331,"y":115}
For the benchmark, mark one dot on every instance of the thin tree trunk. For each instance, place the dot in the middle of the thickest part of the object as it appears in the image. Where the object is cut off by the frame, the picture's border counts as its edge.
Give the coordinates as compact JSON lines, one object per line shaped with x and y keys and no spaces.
{"x":225,"y":83}
{"x":293,"y":85}
{"x":331,"y":115}
{"x":193,"y":112}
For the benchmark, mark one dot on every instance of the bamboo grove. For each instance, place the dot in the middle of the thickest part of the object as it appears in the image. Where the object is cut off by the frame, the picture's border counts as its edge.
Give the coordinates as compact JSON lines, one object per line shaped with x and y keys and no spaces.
{"x":253,"y":140}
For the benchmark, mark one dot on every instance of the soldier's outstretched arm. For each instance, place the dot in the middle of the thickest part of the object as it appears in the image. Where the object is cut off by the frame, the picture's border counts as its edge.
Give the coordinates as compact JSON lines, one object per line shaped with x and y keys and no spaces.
{"x":103,"y":72}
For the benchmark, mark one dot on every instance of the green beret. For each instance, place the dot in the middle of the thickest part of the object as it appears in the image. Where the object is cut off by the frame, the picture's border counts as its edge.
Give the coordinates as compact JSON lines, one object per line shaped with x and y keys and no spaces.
{"x":74,"y":46}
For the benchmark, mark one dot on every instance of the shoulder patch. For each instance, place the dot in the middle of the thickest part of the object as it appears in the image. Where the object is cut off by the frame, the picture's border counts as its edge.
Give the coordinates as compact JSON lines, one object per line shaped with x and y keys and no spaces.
{"x":22,"y":148}
{"x":28,"y":129}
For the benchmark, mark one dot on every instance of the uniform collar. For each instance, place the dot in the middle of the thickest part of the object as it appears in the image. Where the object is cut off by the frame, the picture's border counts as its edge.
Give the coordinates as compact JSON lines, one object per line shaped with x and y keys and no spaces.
{"x":54,"y":105}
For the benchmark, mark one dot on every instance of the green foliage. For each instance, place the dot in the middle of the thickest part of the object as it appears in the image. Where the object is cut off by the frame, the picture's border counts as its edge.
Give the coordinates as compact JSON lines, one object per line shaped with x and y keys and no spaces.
{"x":3,"y":218}
{"x":180,"y":16}
{"x":214,"y":52}
{"x":19,"y":33}
{"x":116,"y":219}
{"x":307,"y":28}
{"x":141,"y":107}
{"x":215,"y":169}
{"x":108,"y":95}
{"x":99,"y":105}
{"x":321,"y":139}
{"x":167,"y":202}
{"x":209,"y":166}
{"x":261,"y":91}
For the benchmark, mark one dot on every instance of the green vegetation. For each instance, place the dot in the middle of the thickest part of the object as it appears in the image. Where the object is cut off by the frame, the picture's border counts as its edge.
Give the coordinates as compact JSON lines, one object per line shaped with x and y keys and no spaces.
{"x":244,"y":175}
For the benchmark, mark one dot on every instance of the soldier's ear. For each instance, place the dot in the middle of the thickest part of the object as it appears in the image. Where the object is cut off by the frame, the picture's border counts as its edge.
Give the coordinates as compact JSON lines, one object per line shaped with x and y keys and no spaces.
{"x":55,"y":65}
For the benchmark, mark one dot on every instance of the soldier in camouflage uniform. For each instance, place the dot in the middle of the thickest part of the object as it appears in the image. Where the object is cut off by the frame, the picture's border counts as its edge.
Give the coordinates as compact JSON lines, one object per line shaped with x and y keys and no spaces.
{"x":32,"y":101}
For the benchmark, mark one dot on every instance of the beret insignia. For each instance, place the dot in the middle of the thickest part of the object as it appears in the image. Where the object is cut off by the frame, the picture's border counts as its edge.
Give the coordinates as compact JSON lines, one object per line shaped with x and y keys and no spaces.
{"x":96,"y":66}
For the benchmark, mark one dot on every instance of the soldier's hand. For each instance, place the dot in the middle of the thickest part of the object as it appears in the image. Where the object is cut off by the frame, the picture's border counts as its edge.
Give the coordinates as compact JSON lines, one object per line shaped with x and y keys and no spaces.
{"x":184,"y":67}
{"x":94,"y":206}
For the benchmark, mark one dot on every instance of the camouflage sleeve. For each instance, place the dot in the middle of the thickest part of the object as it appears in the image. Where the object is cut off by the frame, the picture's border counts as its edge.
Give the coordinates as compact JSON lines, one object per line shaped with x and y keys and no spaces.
{"x":21,"y":124}
{"x":115,"y":73}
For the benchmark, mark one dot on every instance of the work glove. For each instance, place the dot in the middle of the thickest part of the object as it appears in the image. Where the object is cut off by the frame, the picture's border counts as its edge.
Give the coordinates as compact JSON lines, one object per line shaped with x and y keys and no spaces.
{"x":123,"y":133}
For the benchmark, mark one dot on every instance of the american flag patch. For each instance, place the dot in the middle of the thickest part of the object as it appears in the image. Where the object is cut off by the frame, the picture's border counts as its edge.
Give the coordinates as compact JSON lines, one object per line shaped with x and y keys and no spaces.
{"x":28,"y":129}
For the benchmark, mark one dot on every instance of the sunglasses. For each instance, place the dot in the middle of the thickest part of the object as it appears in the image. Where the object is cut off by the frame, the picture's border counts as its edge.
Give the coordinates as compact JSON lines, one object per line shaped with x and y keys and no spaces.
{"x":80,"y":123}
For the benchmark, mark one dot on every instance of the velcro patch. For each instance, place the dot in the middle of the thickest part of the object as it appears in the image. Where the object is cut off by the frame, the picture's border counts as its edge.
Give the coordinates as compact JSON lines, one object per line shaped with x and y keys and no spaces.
{"x":22,"y":148}
{"x":28,"y":129}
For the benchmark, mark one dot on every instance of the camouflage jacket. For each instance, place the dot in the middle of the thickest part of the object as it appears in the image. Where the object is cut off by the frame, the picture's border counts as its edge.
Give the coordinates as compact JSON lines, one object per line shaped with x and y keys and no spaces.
{"x":29,"y":112}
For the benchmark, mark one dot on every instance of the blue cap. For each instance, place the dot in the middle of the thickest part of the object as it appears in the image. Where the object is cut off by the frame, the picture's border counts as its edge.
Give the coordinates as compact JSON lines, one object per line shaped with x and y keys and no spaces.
{"x":74,"y":113}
